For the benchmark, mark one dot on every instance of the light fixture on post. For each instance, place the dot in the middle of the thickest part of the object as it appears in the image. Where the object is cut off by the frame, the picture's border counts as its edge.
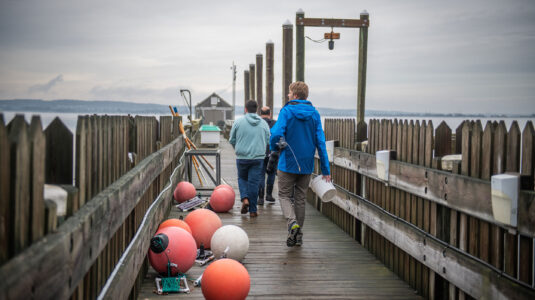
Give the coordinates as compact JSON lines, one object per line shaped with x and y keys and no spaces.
{"x":331,"y":36}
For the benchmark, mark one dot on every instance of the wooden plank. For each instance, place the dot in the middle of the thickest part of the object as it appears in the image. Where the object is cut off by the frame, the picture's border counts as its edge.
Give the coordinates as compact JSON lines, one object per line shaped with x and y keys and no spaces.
{"x":526,"y":267}
{"x":459,"y":138}
{"x":5,"y":206}
{"x":475,"y":171}
{"x":443,"y":140}
{"x":429,"y":211}
{"x":463,"y":193}
{"x":59,"y":160}
{"x":512,"y":164}
{"x":80,"y":166}
{"x":478,"y":280}
{"x":498,"y":167}
{"x":70,"y":252}
{"x":321,"y":22}
{"x":528,"y":151}
{"x":20,"y":175}
{"x":51,"y":217}
{"x":37,"y":178}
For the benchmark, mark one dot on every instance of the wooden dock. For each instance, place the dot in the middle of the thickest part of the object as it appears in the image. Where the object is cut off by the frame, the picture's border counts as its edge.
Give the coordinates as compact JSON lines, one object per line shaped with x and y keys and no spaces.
{"x":329,"y":265}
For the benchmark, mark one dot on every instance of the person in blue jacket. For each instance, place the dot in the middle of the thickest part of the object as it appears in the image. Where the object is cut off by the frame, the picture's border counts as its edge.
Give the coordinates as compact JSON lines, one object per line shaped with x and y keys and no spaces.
{"x":249,"y":137}
{"x":299,"y":124}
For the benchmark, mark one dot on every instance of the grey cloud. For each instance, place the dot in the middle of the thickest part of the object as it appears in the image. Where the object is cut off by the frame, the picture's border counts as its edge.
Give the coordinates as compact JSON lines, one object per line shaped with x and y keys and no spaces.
{"x":47,"y":86}
{"x":132,"y":93}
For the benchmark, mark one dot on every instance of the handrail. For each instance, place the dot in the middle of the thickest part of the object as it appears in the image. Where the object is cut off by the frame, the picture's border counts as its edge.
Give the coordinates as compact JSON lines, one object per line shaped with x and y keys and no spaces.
{"x":53,"y":266}
{"x":466,"y":194}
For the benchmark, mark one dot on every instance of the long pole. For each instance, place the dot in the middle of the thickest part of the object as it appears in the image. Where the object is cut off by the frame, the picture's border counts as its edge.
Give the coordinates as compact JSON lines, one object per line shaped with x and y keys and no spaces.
{"x":363,"y":58}
{"x":233,"y":89}
{"x":246,"y":95}
{"x":299,"y":47}
{"x":259,"y":69}
{"x":287,"y":52}
{"x":269,"y":74}
{"x":251,"y":82}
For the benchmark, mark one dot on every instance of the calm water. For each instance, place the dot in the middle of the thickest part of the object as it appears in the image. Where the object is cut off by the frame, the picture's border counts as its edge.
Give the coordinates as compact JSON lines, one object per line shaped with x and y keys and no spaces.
{"x":70,"y":119}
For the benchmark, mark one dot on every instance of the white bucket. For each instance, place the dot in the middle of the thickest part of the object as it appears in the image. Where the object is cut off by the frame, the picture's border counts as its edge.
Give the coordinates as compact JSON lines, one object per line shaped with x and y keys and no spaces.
{"x":325,"y":190}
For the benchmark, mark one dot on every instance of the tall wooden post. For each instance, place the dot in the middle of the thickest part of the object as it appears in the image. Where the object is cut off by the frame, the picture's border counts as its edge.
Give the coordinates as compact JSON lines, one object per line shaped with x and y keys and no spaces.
{"x":363,"y":54}
{"x":259,"y":86}
{"x":246,"y":95}
{"x":269,"y":74}
{"x":287,"y":49}
{"x":299,"y":47}
{"x":251,"y":83}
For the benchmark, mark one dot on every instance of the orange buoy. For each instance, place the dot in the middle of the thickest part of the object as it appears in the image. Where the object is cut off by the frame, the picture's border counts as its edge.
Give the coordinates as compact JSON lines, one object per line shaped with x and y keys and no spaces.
{"x":225,"y":279}
{"x":222,"y":199}
{"x":174,"y":245}
{"x":203,"y":224}
{"x":226,"y":186}
{"x":184,"y":191}
{"x":175,"y":222}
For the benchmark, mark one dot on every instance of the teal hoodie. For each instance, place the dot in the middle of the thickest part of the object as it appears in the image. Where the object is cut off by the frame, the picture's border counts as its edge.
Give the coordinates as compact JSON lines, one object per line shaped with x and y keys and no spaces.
{"x":249,"y":136}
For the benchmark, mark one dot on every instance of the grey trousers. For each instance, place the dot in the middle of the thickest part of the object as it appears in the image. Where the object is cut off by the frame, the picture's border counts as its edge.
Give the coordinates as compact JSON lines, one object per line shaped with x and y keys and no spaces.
{"x":293,"y":211}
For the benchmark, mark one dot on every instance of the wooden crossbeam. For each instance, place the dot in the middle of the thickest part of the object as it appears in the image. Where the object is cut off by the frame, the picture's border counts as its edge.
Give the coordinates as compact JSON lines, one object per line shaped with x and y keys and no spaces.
{"x":322,"y":22}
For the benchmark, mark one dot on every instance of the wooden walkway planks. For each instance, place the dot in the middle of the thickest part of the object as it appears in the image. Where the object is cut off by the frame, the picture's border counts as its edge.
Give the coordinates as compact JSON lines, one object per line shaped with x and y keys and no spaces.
{"x":330,"y":265}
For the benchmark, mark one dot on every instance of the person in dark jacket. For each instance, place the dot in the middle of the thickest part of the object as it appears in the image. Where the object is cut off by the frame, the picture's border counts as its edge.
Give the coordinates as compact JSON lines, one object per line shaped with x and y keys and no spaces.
{"x":299,"y":124}
{"x":265,"y":113}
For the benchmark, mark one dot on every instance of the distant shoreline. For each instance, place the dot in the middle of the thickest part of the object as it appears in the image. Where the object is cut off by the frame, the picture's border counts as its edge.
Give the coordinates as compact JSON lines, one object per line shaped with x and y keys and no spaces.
{"x":120,"y":107}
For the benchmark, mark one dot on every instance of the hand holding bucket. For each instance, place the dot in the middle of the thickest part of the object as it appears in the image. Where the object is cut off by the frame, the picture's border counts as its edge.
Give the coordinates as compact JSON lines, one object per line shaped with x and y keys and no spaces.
{"x":325,"y":190}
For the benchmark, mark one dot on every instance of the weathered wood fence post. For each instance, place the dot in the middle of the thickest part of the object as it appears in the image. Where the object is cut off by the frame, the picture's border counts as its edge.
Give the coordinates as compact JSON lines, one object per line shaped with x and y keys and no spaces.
{"x":269,"y":74}
{"x":259,"y":86}
{"x":287,"y":54}
{"x":299,"y":47}
{"x":363,"y":58}
{"x":246,"y":95}
{"x":252,"y":82}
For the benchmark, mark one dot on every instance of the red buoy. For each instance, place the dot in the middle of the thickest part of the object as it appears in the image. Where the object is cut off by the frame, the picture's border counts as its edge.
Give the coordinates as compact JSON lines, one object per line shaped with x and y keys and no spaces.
{"x":203,"y":224}
{"x":175,"y":222}
{"x":226,"y":186}
{"x":174,"y":245}
{"x":222,"y":199}
{"x":184,"y":191}
{"x":225,"y":279}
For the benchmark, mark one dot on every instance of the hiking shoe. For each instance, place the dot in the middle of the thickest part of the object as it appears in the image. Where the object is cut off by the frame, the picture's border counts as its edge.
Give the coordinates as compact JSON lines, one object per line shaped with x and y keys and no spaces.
{"x":270,"y":198}
{"x":299,"y":238}
{"x":292,"y":234}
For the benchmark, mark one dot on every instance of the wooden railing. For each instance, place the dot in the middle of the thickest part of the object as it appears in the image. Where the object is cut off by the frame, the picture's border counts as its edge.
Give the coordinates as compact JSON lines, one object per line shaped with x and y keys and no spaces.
{"x":435,"y":228}
{"x":122,"y":164}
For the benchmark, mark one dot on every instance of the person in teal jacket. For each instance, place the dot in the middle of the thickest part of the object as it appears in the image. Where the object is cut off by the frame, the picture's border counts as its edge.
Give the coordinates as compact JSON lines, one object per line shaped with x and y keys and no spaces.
{"x":249,"y":137}
{"x":299,"y":124}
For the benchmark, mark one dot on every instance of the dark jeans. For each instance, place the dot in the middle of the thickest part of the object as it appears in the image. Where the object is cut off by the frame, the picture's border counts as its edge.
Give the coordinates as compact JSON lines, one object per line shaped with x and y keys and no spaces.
{"x":249,"y":176}
{"x":270,"y":176}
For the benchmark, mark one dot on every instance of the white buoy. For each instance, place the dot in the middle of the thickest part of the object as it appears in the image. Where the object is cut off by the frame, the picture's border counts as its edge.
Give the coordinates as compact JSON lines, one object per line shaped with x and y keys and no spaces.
{"x":234,"y":238}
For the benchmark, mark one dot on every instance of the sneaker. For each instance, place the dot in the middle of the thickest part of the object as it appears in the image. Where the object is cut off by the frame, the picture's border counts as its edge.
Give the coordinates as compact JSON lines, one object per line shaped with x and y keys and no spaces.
{"x":299,"y":238}
{"x":292,"y":234}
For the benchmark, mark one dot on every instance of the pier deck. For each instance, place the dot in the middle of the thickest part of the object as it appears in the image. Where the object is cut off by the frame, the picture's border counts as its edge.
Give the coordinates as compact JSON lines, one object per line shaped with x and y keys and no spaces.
{"x":329,"y":265}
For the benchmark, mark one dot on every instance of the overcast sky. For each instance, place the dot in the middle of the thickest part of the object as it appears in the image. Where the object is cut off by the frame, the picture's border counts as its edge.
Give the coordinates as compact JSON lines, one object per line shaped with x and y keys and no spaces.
{"x":423,"y":56}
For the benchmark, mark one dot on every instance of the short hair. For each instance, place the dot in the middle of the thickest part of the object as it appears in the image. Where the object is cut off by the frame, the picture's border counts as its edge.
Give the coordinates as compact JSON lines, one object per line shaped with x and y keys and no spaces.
{"x":265,"y":111}
{"x":299,"y":89}
{"x":251,"y":106}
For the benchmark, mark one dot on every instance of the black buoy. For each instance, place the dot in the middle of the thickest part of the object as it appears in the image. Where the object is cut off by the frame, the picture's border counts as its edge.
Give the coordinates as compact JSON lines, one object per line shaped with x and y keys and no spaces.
{"x":159,"y":243}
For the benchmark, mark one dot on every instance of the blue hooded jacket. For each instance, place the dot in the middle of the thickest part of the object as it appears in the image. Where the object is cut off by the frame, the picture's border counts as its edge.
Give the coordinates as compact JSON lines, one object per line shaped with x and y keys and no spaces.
{"x":300,"y":124}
